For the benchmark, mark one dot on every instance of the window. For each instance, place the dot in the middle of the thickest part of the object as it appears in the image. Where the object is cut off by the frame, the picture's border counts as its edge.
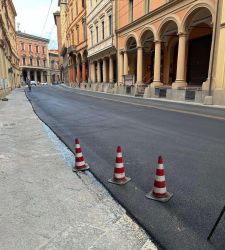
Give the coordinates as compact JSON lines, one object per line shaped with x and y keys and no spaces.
{"x":103,"y":30}
{"x":77,"y":8}
{"x":131,"y":10}
{"x":24,"y":61}
{"x":52,"y":64}
{"x":72,"y":34}
{"x":31,"y":62}
{"x":38,"y":62}
{"x":91,"y":31}
{"x":44,"y":61}
{"x":84,"y":29}
{"x":71,"y":14}
{"x":96,"y":34}
{"x":22,"y":46}
{"x":30,"y":48}
{"x":37,"y":49}
{"x":83,"y":4}
{"x":78,"y":37}
{"x":110,"y":25}
{"x":43,"y":50}
{"x":147,"y":6}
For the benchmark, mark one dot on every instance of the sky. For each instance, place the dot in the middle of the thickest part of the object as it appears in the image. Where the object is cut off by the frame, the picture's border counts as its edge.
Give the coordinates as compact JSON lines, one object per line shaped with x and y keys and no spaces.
{"x":32,"y":16}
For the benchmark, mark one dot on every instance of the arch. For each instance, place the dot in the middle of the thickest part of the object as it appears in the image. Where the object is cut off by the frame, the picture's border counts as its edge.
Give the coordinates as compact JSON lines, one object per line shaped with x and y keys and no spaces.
{"x":197,"y":24}
{"x":193,"y":10}
{"x":79,"y":58}
{"x":144,"y":31}
{"x":129,"y":37}
{"x":85,"y":54}
{"x":172,"y":18}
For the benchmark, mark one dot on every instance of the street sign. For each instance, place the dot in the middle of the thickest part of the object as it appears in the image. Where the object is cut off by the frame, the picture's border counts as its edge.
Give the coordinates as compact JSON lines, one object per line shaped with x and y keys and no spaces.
{"x":128,"y":80}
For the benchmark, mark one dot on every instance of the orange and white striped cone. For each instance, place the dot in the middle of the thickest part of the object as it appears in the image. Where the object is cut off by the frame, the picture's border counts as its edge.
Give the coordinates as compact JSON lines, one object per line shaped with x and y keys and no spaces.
{"x":80,"y":164}
{"x":159,"y":191}
{"x":119,"y":176}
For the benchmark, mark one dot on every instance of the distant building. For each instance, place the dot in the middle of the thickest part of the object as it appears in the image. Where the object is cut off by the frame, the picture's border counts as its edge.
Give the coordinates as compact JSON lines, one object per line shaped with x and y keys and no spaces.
{"x":77,"y":42}
{"x":60,"y":18}
{"x":54,"y":64}
{"x":9,"y":60}
{"x":34,"y":57}
{"x":101,"y":33}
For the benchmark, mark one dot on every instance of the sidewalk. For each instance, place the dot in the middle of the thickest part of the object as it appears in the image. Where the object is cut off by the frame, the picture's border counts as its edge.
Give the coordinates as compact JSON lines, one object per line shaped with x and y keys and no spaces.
{"x":213,"y":111}
{"x":44,"y":205}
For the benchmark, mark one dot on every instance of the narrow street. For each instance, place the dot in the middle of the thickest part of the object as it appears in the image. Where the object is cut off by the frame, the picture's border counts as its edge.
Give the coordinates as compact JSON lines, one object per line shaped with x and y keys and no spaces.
{"x":192,"y":145}
{"x":44,"y":205}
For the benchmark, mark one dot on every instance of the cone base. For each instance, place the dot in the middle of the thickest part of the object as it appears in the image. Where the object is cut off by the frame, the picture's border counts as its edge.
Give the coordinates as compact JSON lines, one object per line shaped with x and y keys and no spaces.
{"x":74,"y":169}
{"x":167,"y":197}
{"x":121,"y":182}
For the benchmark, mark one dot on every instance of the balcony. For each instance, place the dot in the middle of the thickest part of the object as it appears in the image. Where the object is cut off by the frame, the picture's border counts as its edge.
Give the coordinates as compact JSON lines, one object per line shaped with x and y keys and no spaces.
{"x":71,"y":49}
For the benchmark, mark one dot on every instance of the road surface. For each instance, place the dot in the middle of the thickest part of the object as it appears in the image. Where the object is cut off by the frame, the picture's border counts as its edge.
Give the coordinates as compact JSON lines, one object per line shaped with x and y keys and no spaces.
{"x":191,"y":140}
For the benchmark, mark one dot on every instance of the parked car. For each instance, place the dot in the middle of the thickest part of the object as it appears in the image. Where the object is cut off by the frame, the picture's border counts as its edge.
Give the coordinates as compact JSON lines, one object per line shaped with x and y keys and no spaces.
{"x":44,"y":83}
{"x":33,"y":83}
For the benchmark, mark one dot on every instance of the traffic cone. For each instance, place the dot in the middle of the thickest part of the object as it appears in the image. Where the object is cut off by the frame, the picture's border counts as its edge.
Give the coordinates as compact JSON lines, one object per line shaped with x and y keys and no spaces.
{"x":159,"y":192}
{"x":80,"y":164}
{"x":119,"y":177}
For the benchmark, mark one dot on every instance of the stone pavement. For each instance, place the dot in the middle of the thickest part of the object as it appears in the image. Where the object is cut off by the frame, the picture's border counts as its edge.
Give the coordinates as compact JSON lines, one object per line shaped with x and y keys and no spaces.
{"x":43,"y":204}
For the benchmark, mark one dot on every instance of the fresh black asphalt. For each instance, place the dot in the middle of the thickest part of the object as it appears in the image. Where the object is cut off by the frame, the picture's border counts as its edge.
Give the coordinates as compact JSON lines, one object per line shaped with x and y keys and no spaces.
{"x":193,"y":147}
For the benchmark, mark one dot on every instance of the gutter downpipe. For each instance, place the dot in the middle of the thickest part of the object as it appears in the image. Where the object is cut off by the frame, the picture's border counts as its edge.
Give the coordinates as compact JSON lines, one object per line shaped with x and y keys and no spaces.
{"x":213,"y":48}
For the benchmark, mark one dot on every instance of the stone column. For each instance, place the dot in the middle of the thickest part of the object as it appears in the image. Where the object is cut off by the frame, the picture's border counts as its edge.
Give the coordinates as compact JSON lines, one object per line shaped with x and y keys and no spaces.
{"x":99,"y":72}
{"x":157,"y":65}
{"x":35,"y":76}
{"x":28,"y":74}
{"x":120,"y":67}
{"x":125,"y":60}
{"x":75,"y":72}
{"x":93,"y":78}
{"x":111,"y":70}
{"x":139,"y":65}
{"x":42,"y":80}
{"x":1,"y":63}
{"x":83,"y":72}
{"x":90,"y":71}
{"x":180,"y":78}
{"x":48,"y":77}
{"x":104,"y":70}
{"x":78,"y":72}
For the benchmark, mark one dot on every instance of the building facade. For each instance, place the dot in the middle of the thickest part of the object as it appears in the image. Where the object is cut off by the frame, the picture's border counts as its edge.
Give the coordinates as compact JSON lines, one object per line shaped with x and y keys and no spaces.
{"x":9,"y":60}
{"x":54,"y":65}
{"x":167,"y":46}
{"x":102,"y":43}
{"x":77,"y":42}
{"x":34,"y":58}
{"x":218,"y":71}
{"x":170,"y":49}
{"x":60,"y":18}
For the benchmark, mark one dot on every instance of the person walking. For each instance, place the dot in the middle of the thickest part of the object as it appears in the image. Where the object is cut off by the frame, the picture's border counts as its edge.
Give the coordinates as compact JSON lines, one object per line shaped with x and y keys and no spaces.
{"x":28,"y":84}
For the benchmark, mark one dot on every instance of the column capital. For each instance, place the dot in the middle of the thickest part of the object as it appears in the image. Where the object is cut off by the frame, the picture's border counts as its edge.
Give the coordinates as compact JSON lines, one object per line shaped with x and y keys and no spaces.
{"x":157,"y":41}
{"x":182,"y":34}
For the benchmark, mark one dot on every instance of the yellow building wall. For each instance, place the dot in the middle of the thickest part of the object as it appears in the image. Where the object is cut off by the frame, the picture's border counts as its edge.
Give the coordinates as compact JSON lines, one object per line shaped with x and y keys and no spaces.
{"x":220,"y":62}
